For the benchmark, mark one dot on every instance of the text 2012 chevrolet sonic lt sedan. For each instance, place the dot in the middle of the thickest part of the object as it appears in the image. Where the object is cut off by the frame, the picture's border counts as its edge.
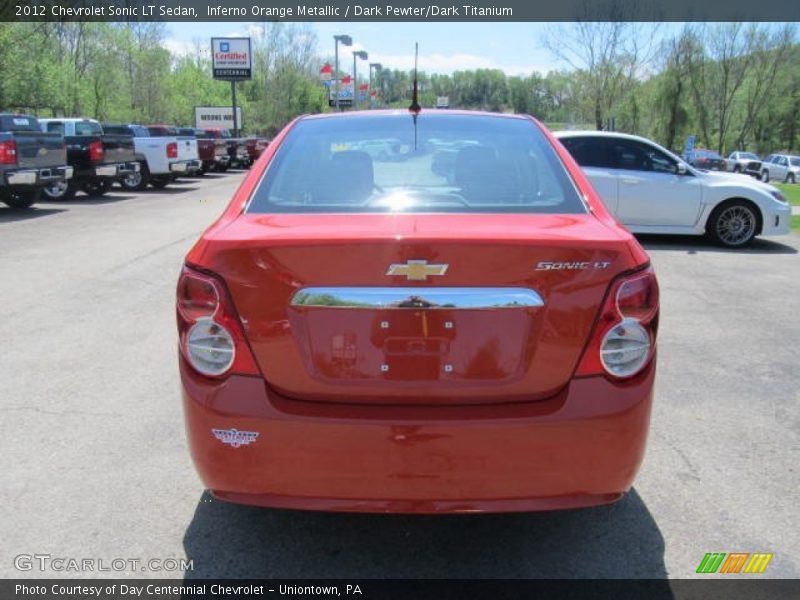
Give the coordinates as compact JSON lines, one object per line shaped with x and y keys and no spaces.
{"x":417,"y":313}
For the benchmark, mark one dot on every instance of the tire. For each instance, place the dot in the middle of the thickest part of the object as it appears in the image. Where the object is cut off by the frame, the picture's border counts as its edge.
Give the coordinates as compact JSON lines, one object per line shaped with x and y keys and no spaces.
{"x":97,"y":188}
{"x":136,"y":182}
{"x":737,"y":169}
{"x":765,"y":176}
{"x":733,"y":224}
{"x":20,"y":200}
{"x":790,"y":178}
{"x":160,"y":182}
{"x":62,"y":190}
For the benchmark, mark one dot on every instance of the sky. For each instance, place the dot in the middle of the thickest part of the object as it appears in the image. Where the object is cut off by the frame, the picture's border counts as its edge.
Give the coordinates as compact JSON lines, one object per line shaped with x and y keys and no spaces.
{"x":516,"y":48}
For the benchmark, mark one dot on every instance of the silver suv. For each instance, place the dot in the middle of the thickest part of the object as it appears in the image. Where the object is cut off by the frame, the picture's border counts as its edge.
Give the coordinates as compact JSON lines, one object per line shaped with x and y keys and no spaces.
{"x":781,"y":167}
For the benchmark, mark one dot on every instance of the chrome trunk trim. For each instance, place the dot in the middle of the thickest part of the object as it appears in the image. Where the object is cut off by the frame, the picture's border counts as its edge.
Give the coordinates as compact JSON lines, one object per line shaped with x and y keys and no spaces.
{"x":447,"y":298}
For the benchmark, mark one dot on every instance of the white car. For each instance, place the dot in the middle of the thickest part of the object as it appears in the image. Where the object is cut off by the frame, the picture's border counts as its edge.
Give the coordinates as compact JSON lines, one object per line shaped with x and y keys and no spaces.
{"x":651,"y":190}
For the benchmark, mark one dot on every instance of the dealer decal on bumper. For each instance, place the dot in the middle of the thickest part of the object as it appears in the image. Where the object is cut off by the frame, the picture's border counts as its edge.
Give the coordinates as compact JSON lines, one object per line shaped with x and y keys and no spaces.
{"x":235,"y":438}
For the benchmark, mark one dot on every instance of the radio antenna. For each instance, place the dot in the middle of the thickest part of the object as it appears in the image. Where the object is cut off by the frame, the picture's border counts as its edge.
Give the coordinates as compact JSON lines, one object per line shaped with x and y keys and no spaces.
{"x":415,"y":107}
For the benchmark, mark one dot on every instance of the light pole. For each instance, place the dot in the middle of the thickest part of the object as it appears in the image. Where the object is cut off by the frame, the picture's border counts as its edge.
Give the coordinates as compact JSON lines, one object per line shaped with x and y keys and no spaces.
{"x":363,"y":56}
{"x":346,"y":40}
{"x":377,"y":67}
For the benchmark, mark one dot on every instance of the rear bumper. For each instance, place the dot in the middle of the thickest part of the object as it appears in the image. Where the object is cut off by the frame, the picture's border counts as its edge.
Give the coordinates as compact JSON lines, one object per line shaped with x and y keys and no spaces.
{"x":580,"y":448}
{"x":115,"y":170}
{"x":128,"y":168}
{"x":39,"y":177}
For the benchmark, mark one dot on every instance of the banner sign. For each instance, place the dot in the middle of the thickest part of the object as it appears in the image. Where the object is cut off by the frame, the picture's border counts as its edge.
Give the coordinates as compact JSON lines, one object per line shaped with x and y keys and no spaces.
{"x":216,"y":116}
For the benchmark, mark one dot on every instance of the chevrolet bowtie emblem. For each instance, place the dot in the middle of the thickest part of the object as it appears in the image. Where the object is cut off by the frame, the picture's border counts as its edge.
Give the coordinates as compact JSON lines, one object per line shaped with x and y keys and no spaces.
{"x":417,"y":270}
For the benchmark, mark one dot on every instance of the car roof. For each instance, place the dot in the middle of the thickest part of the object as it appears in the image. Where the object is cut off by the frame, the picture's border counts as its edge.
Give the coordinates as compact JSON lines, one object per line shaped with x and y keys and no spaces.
{"x":567,"y":133}
{"x":70,"y":119}
{"x":426,"y":112}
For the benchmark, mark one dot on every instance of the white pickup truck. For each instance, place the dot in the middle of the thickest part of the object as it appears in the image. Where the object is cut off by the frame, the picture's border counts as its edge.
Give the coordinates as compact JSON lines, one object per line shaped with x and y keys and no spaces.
{"x":163,"y":157}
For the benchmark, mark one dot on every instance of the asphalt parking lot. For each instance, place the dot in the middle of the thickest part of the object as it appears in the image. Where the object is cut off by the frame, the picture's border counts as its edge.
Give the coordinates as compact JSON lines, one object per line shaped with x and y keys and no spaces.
{"x":95,"y":464}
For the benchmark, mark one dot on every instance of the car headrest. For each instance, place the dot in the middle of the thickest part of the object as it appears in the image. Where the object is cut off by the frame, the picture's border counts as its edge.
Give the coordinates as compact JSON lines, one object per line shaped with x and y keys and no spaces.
{"x":351,"y":177}
{"x":482,"y":176}
{"x":473,"y":165}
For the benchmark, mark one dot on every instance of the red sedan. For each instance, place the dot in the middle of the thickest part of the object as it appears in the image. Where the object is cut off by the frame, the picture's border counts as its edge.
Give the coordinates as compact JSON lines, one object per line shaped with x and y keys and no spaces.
{"x":419,"y":313}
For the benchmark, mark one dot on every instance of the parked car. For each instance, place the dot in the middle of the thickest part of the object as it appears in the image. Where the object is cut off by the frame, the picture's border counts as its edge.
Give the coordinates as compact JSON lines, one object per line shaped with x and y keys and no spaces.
{"x":706,"y":159}
{"x":650,"y":190}
{"x":98,"y":159}
{"x":744,"y":162}
{"x":213,"y":153}
{"x":159,"y":157}
{"x":30,"y":160}
{"x":781,"y":167}
{"x":187,"y":147}
{"x":255,"y":147}
{"x":377,"y":339}
{"x":237,"y":147}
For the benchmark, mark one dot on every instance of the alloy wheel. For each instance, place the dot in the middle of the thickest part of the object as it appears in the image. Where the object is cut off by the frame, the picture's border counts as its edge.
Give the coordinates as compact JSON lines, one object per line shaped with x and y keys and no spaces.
{"x":133,"y":180}
{"x":736,"y":225}
{"x":57,"y":190}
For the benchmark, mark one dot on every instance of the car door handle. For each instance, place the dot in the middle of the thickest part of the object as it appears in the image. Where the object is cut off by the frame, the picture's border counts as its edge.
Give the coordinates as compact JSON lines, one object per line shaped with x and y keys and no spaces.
{"x":629,"y":180}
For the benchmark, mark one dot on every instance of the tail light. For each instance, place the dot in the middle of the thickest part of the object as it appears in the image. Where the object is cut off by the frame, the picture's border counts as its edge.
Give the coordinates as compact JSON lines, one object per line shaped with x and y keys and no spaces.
{"x":210,"y":333}
{"x":172,"y":150}
{"x":624,"y":337}
{"x":8,"y":152}
{"x":96,"y":151}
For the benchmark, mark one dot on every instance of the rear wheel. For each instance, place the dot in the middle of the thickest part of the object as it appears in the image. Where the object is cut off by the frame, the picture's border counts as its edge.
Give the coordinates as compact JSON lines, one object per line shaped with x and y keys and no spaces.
{"x":790,"y":178}
{"x":764,"y":175}
{"x":136,"y":181}
{"x":733,"y":224}
{"x":60,"y":190}
{"x":160,"y":182}
{"x":97,"y":188}
{"x":737,"y":169}
{"x":20,"y":199}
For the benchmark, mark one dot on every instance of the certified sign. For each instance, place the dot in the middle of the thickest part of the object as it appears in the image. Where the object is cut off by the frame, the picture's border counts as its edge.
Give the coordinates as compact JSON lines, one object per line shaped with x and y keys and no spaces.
{"x":231,"y":59}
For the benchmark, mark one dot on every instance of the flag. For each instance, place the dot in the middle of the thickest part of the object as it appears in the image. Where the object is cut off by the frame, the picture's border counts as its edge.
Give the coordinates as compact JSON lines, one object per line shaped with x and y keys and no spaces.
{"x":326,"y":72}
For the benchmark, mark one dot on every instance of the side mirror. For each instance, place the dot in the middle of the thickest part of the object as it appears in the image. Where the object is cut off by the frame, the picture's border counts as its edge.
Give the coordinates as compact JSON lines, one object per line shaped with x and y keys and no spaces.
{"x":681,"y":170}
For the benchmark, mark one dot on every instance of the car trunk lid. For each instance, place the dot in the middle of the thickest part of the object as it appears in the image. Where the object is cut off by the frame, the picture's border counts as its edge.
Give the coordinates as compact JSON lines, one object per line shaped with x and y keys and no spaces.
{"x":418,"y":309}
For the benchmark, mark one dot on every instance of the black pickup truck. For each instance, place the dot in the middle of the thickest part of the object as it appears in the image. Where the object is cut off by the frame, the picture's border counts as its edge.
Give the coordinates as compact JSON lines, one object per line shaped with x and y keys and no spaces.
{"x":99,"y":159}
{"x":29,"y":160}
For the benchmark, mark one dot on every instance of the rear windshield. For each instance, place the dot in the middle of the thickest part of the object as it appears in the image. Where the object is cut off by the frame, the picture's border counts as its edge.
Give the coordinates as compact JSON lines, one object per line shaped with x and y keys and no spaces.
{"x":88,"y":128}
{"x":748,"y":155}
{"x":19,"y":123}
{"x":440,"y":163}
{"x":162,"y":131}
{"x":134,"y":130}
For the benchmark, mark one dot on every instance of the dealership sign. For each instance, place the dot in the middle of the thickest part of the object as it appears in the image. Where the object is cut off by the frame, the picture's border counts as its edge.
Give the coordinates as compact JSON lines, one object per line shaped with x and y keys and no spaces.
{"x":345,"y":92}
{"x":216,"y":116}
{"x":231,"y":59}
